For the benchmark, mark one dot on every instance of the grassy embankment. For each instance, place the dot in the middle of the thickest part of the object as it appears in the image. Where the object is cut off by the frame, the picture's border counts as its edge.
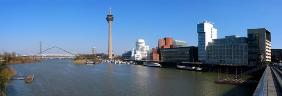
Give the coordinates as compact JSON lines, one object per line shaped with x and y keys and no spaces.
{"x":82,"y":59}
{"x":21,"y":60}
{"x":6,"y":73}
{"x":13,"y":58}
{"x":79,"y":61}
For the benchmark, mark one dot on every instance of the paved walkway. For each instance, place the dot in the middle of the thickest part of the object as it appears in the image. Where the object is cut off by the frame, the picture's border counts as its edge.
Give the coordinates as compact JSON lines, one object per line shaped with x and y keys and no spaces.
{"x":266,"y":86}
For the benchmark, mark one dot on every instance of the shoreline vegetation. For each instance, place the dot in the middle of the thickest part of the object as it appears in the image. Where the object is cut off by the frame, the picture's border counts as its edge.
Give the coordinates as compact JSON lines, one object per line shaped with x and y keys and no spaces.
{"x":7,"y":72}
{"x":92,"y":58}
{"x":84,"y":59}
{"x":23,"y":60}
{"x":13,"y":58}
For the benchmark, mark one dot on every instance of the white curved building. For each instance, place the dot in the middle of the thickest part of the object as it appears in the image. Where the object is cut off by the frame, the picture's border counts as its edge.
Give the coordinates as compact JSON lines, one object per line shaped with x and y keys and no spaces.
{"x":141,"y":50}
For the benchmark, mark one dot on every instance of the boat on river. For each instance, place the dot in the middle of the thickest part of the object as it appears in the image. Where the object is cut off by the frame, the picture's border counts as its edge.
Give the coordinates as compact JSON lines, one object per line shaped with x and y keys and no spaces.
{"x":151,"y":64}
{"x":29,"y":78}
{"x":90,"y":62}
{"x":189,"y":68}
{"x":185,"y":67}
{"x":199,"y":69}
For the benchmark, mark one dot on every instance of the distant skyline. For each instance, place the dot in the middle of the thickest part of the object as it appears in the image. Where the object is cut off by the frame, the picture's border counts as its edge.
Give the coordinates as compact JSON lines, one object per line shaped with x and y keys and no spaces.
{"x":80,"y":25}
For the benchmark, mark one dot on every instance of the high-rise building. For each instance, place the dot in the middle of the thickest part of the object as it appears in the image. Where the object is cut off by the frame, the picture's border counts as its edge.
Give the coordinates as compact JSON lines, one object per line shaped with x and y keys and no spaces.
{"x":110,"y":19}
{"x":230,"y":50}
{"x":259,"y":46}
{"x":206,"y":33}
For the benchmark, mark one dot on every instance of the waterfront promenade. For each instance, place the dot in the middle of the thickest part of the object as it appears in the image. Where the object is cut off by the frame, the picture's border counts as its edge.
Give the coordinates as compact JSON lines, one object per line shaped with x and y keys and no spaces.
{"x":270,"y":83}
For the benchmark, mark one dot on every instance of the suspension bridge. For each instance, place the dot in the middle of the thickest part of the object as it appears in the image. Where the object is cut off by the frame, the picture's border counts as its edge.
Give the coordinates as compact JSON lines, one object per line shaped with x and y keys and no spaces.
{"x":45,"y":54}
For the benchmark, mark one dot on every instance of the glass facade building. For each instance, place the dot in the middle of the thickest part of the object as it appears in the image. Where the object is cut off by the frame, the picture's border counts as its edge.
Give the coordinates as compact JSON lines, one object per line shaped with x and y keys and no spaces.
{"x":178,"y":43}
{"x":276,"y":55}
{"x":181,"y":54}
{"x":206,"y":33}
{"x":259,"y":46}
{"x":230,"y":50}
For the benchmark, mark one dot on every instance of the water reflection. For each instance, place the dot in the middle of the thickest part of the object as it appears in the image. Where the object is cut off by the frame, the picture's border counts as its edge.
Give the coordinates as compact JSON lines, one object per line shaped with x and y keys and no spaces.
{"x":62,"y":78}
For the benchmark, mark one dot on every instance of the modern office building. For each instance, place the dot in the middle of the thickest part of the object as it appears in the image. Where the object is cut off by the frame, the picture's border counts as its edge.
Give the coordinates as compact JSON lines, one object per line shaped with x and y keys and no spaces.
{"x":179,"y":43}
{"x":181,"y":54}
{"x":206,"y":33}
{"x":127,"y":55}
{"x":230,"y":50}
{"x":259,"y":46}
{"x":178,"y":49}
{"x":276,"y":55}
{"x":141,"y":51}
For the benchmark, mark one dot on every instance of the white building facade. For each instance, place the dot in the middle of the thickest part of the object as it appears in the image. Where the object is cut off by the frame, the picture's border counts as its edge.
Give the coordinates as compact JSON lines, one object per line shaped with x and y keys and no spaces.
{"x":141,"y":51}
{"x":206,"y":33}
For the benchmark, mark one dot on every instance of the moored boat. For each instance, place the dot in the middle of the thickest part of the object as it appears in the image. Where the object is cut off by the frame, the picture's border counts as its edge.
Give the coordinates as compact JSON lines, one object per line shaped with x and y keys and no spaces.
{"x":29,"y":78}
{"x":90,"y":62}
{"x":189,"y":67}
{"x":153,"y":64}
{"x":185,"y":67}
{"x":199,"y":69}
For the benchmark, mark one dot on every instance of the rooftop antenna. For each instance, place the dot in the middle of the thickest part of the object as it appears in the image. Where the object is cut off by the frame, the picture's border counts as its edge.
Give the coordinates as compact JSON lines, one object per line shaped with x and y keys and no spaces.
{"x":40,"y":49}
{"x":110,"y":11}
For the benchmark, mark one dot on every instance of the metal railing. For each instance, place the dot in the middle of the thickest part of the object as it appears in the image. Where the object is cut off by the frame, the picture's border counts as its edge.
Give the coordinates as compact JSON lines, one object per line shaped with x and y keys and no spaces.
{"x":266,"y":86}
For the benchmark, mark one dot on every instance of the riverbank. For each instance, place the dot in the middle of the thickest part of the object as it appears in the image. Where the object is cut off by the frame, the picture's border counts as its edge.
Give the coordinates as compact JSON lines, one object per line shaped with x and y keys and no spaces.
{"x":79,"y":61}
{"x":22,"y":60}
{"x":6,"y":73}
{"x":19,"y":60}
{"x":84,"y":59}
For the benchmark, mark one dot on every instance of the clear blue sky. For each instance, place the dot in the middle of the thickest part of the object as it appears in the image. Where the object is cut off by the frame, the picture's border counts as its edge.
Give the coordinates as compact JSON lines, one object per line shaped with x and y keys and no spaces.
{"x":79,"y":25}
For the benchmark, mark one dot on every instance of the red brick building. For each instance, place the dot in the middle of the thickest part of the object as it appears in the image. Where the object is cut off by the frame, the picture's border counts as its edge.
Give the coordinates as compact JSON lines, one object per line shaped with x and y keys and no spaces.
{"x":166,"y":42}
{"x":161,"y":43}
{"x":155,"y":56}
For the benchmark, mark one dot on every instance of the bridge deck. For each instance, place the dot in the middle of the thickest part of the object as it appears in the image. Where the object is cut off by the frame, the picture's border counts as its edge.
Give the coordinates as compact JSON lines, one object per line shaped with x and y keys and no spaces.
{"x":266,"y":86}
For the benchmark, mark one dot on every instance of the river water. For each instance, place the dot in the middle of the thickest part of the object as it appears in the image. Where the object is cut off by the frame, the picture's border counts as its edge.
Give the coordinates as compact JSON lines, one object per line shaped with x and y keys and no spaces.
{"x":63,"y":78}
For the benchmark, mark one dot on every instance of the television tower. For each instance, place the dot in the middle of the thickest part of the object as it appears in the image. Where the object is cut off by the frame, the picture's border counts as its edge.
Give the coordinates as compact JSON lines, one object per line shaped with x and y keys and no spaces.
{"x":40,"y":49}
{"x":110,"y":19}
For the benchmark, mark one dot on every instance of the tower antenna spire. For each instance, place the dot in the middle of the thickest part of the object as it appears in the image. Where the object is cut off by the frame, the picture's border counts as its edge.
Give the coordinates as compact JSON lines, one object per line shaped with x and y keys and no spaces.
{"x":40,"y":47}
{"x":110,"y":11}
